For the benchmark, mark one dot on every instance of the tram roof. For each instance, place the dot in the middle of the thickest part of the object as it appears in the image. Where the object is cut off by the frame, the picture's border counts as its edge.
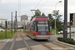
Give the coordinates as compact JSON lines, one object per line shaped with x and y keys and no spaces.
{"x":41,"y":17}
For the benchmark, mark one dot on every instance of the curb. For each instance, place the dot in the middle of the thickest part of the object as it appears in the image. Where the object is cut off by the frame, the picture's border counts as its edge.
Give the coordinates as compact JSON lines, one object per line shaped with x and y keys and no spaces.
{"x":66,"y":44}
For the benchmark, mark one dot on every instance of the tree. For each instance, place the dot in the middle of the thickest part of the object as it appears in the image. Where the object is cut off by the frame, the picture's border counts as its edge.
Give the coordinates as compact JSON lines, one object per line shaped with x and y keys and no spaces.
{"x":36,"y":14}
{"x":56,"y":14}
{"x":43,"y":14}
{"x":32,"y":18}
{"x":51,"y":19}
{"x":58,"y":22}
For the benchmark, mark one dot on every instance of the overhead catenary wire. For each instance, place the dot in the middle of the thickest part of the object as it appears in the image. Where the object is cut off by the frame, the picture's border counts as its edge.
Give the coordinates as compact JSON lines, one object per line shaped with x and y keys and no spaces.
{"x":37,"y":4}
{"x":19,"y":8}
{"x":44,"y":3}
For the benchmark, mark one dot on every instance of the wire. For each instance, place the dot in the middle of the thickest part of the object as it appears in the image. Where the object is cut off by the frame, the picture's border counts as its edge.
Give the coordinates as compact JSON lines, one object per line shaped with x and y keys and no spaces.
{"x":32,"y":12}
{"x":19,"y":7}
{"x":44,"y":3}
{"x":37,"y":4}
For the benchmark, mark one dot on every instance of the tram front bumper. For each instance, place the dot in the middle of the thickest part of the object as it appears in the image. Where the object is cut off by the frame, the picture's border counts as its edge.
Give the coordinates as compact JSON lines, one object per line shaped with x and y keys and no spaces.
{"x":43,"y":37}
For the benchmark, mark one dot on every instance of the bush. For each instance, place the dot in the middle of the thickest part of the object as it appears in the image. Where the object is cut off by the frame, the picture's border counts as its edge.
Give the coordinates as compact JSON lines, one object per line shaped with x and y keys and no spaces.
{"x":1,"y":30}
{"x":66,"y":40}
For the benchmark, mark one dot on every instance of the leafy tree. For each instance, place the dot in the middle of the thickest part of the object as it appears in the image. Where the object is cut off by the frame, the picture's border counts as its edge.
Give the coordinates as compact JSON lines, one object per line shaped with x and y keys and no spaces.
{"x":36,"y":14}
{"x":53,"y":24}
{"x":32,"y":18}
{"x":58,"y":22}
{"x":43,"y":14}
{"x":57,"y":15}
{"x":51,"y":19}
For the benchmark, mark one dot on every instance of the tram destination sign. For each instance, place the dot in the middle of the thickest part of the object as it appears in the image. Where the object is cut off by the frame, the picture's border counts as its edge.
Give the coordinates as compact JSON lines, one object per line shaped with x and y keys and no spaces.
{"x":42,"y":21}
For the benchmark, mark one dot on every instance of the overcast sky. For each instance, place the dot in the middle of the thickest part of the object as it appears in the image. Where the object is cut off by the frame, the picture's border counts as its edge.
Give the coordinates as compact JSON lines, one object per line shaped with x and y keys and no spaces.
{"x":45,"y":6}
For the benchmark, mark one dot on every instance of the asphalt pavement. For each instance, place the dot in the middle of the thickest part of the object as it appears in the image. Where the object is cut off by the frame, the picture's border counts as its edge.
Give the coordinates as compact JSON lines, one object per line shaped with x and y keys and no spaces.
{"x":19,"y":43}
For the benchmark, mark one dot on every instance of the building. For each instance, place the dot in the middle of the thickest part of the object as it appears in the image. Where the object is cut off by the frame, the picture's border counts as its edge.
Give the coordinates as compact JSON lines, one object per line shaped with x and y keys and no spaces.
{"x":20,"y":23}
{"x":73,"y":25}
{"x":2,"y":22}
{"x":24,"y":17}
{"x":38,"y":11}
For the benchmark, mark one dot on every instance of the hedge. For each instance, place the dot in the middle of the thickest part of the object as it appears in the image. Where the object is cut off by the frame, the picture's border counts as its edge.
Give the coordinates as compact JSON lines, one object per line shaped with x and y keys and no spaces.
{"x":66,"y":40}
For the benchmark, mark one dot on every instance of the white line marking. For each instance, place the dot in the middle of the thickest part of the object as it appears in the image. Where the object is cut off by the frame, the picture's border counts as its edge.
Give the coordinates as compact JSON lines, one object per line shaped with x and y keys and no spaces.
{"x":8,"y":40}
{"x":12,"y":45}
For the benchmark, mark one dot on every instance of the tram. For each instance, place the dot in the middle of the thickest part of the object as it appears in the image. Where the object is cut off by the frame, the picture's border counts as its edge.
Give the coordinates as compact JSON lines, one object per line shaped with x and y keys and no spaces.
{"x":40,"y":28}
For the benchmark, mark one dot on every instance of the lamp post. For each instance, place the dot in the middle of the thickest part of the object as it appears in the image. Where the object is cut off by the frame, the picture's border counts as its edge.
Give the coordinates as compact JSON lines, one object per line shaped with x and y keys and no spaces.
{"x":24,"y":24}
{"x":55,"y":15}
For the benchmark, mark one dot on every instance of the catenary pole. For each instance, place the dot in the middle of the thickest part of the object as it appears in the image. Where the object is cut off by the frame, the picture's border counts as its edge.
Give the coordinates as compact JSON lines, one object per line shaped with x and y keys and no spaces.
{"x":65,"y":20}
{"x":11,"y":21}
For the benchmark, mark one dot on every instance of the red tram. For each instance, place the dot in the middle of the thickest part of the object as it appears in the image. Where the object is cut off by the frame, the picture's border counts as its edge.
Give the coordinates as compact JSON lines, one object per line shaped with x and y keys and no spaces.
{"x":40,"y":28}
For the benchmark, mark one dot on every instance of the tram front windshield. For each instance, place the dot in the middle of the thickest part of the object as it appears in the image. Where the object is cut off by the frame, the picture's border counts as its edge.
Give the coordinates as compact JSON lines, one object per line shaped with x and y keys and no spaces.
{"x":42,"y":26}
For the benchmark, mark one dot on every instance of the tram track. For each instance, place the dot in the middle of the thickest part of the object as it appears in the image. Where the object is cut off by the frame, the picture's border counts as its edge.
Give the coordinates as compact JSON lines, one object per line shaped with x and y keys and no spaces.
{"x":42,"y":44}
{"x":64,"y":46}
{"x":46,"y":46}
{"x":53,"y":46}
{"x":49,"y":47}
{"x":14,"y":39}
{"x":22,"y":36}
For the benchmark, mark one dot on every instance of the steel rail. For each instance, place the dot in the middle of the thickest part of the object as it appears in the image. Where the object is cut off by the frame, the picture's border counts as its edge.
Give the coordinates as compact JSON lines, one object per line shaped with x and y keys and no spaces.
{"x":25,"y":41}
{"x":58,"y":44}
{"x":46,"y":46}
{"x":11,"y":48}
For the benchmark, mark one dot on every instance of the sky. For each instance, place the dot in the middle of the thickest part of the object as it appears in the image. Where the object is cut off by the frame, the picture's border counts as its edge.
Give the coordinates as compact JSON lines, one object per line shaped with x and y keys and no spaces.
{"x":25,"y":6}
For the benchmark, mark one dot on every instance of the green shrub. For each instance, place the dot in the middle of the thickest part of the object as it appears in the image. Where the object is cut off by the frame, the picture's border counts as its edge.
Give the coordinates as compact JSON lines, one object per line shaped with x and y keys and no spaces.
{"x":66,"y":40}
{"x":1,"y":30}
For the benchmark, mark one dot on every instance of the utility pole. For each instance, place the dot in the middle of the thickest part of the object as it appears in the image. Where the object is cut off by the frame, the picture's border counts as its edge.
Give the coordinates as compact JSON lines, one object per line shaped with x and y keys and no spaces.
{"x":5,"y":29}
{"x":14,"y":25}
{"x":11,"y":21}
{"x":24,"y":25}
{"x":65,"y":20}
{"x":16,"y":20}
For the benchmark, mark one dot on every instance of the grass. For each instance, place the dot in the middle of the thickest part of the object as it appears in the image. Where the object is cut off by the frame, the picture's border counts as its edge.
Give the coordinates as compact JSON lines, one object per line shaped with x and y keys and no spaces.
{"x":9,"y":35}
{"x":28,"y":32}
{"x":53,"y":32}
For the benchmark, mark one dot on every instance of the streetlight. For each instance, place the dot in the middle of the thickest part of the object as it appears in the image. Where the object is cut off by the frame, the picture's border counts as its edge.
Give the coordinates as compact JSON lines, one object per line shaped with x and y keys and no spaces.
{"x":55,"y":15}
{"x":24,"y":24}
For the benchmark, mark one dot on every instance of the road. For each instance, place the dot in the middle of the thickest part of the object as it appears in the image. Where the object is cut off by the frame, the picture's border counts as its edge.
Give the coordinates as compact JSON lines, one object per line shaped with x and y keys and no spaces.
{"x":21,"y":42}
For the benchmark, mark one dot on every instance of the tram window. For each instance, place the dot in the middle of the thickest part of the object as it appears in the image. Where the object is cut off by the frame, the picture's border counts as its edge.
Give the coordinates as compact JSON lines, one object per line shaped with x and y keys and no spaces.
{"x":43,"y":27}
{"x":33,"y":27}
